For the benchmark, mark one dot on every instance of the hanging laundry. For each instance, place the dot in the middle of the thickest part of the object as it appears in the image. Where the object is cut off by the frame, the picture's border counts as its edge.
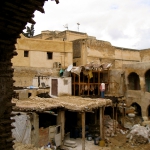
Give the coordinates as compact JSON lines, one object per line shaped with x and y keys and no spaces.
{"x":90,"y":74}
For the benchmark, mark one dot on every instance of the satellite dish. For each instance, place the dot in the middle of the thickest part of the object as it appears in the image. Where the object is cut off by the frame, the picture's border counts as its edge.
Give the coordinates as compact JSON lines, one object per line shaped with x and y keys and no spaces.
{"x":69,"y":68}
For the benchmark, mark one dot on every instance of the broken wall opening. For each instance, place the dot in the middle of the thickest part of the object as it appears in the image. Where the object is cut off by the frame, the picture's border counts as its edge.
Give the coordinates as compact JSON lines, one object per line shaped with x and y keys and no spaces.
{"x":147,"y":81}
{"x":134,"y":81}
{"x":137,"y":108}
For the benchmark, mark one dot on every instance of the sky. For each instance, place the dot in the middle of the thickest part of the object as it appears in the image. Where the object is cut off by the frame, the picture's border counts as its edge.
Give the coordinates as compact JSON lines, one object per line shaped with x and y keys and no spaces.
{"x":123,"y":23}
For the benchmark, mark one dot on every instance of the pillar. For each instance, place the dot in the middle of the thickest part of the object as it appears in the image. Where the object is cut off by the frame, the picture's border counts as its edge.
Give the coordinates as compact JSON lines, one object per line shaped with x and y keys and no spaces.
{"x":35,"y":131}
{"x":83,"y":131}
{"x":61,"y":121}
{"x":101,"y":122}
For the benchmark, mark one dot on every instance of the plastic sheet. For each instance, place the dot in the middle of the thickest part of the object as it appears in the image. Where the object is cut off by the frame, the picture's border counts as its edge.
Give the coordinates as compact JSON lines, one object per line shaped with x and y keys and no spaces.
{"x":22,"y":130}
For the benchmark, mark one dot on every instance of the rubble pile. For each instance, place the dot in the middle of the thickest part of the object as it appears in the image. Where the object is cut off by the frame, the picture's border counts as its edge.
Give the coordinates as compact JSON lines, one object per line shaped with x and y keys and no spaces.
{"x":109,"y":126}
{"x":139,"y":135}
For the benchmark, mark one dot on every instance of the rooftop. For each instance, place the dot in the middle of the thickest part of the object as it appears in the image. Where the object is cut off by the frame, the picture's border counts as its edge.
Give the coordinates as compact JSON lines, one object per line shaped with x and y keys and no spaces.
{"x":74,"y":103}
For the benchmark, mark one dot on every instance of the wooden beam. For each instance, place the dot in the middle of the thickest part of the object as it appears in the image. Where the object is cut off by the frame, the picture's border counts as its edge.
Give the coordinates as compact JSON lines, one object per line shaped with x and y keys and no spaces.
{"x":83,"y":131}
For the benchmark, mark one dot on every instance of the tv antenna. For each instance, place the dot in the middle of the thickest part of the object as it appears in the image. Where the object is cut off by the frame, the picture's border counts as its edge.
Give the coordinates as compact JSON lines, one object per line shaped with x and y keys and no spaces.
{"x":78,"y":26}
{"x":66,"y":26}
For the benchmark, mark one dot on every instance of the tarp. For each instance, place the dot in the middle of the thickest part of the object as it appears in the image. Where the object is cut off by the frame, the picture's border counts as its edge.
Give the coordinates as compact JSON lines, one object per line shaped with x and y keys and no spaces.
{"x":22,"y":130}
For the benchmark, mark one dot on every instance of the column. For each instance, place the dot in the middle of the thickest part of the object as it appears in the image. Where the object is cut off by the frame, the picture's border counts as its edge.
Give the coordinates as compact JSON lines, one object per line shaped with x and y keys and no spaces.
{"x":83,"y":131}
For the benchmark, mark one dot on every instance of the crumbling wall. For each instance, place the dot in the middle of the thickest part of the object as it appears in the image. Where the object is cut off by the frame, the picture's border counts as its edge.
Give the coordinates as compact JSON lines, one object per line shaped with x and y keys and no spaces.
{"x":6,"y":92}
{"x":116,"y":82}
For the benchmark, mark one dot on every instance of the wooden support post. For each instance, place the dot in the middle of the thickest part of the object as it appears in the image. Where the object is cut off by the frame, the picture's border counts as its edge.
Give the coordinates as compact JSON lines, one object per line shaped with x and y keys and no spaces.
{"x":113,"y":117}
{"x":98,"y":82}
{"x":116,"y":120}
{"x":88,"y":86}
{"x":62,"y":125}
{"x":101,"y":122}
{"x":61,"y":121}
{"x":79,"y":85}
{"x":83,"y":131}
{"x":74,"y":75}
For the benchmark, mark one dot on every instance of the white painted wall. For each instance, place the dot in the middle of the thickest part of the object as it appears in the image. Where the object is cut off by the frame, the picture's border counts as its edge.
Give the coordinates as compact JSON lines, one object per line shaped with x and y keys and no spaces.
{"x":63,"y":89}
{"x":45,"y":80}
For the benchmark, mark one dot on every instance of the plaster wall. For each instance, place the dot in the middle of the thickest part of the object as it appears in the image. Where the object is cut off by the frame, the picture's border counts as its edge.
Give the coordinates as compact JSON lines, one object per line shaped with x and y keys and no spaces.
{"x":35,"y":132}
{"x":145,"y":55}
{"x":127,"y":55}
{"x":64,"y":86}
{"x":116,"y":82}
{"x":141,"y":96}
{"x":38,"y":53}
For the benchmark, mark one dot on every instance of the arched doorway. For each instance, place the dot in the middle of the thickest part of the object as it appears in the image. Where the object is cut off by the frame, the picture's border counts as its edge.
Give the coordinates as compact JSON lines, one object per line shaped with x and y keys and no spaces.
{"x":137,"y":108}
{"x":147,"y":81}
{"x":148,"y":110}
{"x":134,"y":81}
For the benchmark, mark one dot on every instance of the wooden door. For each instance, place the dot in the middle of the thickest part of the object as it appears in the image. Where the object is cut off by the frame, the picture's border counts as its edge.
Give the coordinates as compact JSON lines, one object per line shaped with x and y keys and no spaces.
{"x":54,"y":87}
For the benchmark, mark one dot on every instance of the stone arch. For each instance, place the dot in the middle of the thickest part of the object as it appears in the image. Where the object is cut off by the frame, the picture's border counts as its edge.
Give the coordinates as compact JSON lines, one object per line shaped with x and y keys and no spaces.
{"x":147,"y":80}
{"x":138,"y":108}
{"x":148,"y":112}
{"x":133,"y":81}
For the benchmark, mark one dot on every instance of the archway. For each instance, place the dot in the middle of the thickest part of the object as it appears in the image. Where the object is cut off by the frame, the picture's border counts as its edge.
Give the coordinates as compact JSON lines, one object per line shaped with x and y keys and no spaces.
{"x":134,"y":81}
{"x":137,"y":108}
{"x":148,"y":110}
{"x":147,"y":81}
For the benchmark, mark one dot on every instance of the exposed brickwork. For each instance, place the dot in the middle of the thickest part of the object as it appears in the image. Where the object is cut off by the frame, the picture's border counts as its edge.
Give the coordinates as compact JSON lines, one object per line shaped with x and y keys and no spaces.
{"x":43,"y":136}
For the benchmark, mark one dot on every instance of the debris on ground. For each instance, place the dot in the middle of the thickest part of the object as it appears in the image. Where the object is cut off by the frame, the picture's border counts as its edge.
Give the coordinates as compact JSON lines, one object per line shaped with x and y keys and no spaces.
{"x":21,"y":146}
{"x":139,"y":135}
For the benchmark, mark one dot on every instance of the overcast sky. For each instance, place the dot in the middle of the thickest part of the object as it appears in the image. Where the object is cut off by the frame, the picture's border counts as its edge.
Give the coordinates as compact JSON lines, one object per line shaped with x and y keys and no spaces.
{"x":124,"y":23}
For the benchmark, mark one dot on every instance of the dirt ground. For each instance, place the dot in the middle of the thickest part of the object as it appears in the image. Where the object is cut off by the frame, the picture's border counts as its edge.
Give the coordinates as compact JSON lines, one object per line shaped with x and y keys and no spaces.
{"x":120,"y":142}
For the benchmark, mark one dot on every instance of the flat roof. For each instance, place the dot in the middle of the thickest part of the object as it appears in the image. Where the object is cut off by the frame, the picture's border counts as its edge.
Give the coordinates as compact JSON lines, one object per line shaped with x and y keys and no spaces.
{"x":74,"y":103}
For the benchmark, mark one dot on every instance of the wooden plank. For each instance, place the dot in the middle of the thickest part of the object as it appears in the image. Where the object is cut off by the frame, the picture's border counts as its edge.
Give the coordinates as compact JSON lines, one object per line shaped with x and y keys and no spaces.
{"x":83,"y":131}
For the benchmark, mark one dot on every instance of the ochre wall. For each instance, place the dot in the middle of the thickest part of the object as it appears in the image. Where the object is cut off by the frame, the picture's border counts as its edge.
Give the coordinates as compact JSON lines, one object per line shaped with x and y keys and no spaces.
{"x":62,"y":52}
{"x":145,"y":55}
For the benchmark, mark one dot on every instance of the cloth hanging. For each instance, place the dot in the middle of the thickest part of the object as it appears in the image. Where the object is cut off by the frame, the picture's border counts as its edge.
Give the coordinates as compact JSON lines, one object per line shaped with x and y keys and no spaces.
{"x":90,"y":74}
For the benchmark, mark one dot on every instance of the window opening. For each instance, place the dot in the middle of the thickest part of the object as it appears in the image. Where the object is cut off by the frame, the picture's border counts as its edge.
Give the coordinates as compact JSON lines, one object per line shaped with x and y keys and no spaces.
{"x":26,"y":53}
{"x":49,"y":55}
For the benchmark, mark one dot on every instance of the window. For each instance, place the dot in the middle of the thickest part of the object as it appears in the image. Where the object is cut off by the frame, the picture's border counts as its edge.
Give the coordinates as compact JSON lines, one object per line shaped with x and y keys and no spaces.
{"x":49,"y":55}
{"x":65,"y":82}
{"x":26,"y":53}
